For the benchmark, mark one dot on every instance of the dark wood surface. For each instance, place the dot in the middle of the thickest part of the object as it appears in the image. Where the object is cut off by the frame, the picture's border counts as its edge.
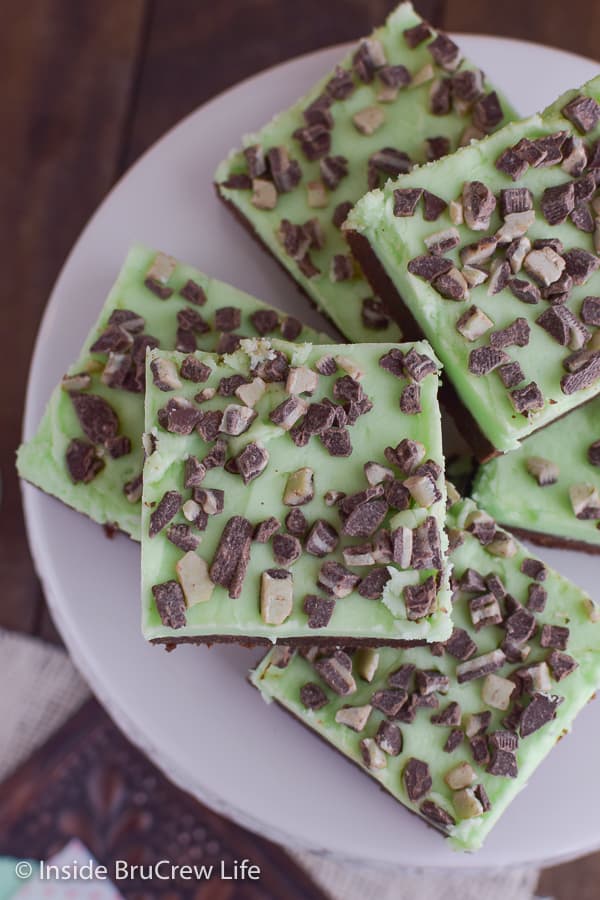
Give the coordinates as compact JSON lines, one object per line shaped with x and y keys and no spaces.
{"x":89,"y":783}
{"x":87,"y":88}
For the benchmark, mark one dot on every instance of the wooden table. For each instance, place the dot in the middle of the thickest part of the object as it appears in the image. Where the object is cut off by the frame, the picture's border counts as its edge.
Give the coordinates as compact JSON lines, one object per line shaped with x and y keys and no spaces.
{"x":90,"y":86}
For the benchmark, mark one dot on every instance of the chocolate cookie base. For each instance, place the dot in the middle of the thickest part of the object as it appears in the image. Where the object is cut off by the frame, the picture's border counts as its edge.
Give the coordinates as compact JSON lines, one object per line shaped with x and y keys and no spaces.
{"x":111,"y":529}
{"x":317,"y":641}
{"x":553,"y":540}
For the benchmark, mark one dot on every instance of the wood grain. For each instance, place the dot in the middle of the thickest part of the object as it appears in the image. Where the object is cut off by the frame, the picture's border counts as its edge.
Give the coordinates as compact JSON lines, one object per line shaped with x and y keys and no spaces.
{"x":191,"y":55}
{"x":577,"y":880}
{"x":65,"y":103}
{"x":571,"y":26}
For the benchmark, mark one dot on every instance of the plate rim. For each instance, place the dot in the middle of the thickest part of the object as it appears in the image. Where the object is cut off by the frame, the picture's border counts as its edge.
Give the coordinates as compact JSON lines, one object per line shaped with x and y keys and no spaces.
{"x":171,"y":768}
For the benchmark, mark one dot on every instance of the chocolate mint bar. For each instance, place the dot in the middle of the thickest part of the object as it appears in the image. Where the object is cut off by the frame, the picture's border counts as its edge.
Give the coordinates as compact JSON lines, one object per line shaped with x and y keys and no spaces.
{"x":294,"y":492}
{"x":492,"y":254}
{"x":400,"y":97}
{"x":455,"y":730}
{"x":87,"y":450}
{"x":549,"y":489}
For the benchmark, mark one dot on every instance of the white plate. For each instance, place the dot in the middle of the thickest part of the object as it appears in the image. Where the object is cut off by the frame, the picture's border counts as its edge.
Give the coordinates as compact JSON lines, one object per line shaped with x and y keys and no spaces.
{"x":191,"y":711}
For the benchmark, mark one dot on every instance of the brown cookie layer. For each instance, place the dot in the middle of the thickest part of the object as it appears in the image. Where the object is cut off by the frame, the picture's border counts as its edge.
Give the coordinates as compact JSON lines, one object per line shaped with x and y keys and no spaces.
{"x":553,"y":540}
{"x":310,"y":641}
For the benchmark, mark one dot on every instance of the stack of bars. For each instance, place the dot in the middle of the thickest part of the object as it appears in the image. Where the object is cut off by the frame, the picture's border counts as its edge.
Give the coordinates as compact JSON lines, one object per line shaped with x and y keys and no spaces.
{"x":291,"y":491}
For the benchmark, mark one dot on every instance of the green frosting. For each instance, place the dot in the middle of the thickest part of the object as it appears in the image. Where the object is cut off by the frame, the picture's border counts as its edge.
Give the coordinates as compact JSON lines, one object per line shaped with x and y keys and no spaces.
{"x":41,"y":460}
{"x":513,"y":495}
{"x":397,"y":240}
{"x":408,"y":123}
{"x":354,"y":616}
{"x":566,"y":606}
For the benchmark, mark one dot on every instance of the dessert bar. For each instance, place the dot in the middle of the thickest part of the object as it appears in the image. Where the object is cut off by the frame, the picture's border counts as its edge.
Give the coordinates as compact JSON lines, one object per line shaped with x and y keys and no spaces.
{"x":294,"y":492}
{"x":400,"y":97}
{"x":492,"y":255}
{"x":87,"y":450}
{"x":455,"y":730}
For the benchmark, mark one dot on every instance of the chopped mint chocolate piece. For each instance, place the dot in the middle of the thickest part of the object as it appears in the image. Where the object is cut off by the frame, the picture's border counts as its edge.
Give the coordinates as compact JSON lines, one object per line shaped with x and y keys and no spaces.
{"x":312,"y":696}
{"x":170,"y":604}
{"x":82,"y":461}
{"x":319,"y":610}
{"x":405,"y":201}
{"x":583,"y":112}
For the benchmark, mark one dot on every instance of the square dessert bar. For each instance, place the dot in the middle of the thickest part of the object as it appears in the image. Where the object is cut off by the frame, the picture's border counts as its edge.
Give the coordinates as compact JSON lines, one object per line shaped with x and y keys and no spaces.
{"x":492,"y":254}
{"x":402,"y":96}
{"x":88,"y":448}
{"x":296,"y":493}
{"x":455,"y":730}
{"x":549,"y":489}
